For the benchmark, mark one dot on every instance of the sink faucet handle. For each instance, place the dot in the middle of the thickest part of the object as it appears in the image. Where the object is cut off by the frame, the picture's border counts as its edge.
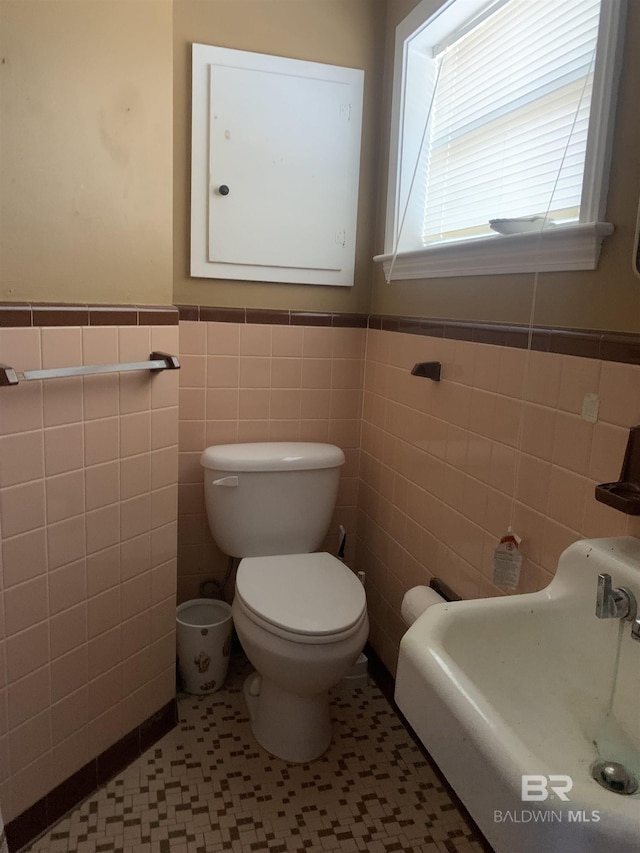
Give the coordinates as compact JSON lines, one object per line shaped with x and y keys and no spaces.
{"x":618,"y":603}
{"x":605,"y":608}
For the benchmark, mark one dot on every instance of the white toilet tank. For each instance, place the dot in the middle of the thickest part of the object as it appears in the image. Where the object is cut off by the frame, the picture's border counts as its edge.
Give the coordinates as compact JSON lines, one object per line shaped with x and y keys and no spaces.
{"x":270,"y":498}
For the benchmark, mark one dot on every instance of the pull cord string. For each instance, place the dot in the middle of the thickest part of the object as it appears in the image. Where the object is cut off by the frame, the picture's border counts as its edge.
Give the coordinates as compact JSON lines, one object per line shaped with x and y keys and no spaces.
{"x":534,"y":294}
{"x":439,"y":64}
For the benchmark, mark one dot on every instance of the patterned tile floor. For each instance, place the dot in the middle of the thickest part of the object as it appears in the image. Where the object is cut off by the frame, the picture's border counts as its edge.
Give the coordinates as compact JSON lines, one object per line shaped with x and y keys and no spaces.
{"x":207,"y":787}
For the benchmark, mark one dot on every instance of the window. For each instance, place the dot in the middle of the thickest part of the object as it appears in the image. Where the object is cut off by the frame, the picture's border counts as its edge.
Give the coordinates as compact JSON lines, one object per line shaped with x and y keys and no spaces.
{"x":501,"y":125}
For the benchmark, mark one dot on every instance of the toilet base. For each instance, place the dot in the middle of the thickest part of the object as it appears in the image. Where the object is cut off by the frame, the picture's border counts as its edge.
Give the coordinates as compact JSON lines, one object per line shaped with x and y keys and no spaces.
{"x":294,"y":728}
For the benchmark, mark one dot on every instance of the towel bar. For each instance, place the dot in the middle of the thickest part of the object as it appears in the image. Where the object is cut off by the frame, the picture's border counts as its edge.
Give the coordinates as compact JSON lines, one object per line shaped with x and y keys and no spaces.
{"x":157,"y":361}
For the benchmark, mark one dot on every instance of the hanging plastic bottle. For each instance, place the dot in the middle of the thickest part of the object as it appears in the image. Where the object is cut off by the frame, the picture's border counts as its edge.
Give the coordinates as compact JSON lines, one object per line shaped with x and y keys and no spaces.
{"x":507,"y":561}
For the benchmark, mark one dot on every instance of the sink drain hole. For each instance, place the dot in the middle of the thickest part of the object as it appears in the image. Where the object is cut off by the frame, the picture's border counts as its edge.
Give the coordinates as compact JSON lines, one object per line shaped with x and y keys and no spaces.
{"x":614,"y":777}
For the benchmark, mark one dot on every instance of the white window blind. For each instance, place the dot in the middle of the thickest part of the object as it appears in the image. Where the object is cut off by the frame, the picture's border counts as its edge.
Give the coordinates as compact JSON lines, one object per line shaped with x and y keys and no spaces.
{"x":509,"y":121}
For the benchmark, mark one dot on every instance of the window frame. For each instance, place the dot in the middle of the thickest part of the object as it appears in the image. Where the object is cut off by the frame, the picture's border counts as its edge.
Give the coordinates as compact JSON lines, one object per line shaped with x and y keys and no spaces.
{"x":574,"y":246}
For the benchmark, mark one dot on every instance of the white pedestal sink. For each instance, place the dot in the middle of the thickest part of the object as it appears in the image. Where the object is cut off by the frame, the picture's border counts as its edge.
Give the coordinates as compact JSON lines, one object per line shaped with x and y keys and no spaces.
{"x":534,"y":685}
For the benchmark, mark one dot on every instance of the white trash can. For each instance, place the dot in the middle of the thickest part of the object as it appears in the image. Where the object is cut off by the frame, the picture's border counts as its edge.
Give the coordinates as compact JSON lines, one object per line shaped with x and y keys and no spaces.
{"x":203,"y":632}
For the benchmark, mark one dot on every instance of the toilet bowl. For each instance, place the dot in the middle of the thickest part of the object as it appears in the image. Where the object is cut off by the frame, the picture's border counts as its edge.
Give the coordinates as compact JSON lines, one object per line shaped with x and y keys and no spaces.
{"x":299,"y":653}
{"x":300,"y":615}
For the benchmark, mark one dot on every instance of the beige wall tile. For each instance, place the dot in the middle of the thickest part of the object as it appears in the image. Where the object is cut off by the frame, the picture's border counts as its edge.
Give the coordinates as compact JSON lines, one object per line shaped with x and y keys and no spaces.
{"x":103,"y":570}
{"x":103,"y":527}
{"x":223,"y":338}
{"x":193,"y":338}
{"x":27,"y":651}
{"x":619,"y":392}
{"x":164,"y":428}
{"x":65,"y":496}
{"x":100,"y":344}
{"x":134,"y":343}
{"x":67,"y":586}
{"x":21,"y":349}
{"x":22,"y":457}
{"x":29,"y":742}
{"x":22,"y":410}
{"x":193,"y":371}
{"x":22,"y":508}
{"x":286,"y":341}
{"x":135,"y":556}
{"x":69,"y":672}
{"x":255,"y":339}
{"x":100,"y":396}
{"x":101,"y":440}
{"x":68,"y":630}
{"x":25,"y":605}
{"x":135,"y":517}
{"x":135,"y":432}
{"x":135,"y":392}
{"x":69,"y":715}
{"x":24,"y":556}
{"x":63,"y":401}
{"x":105,"y":651}
{"x":61,"y":347}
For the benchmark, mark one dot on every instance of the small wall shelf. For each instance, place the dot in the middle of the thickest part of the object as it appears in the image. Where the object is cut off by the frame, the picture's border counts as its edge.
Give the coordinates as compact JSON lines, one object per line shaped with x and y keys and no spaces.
{"x":624,"y":495}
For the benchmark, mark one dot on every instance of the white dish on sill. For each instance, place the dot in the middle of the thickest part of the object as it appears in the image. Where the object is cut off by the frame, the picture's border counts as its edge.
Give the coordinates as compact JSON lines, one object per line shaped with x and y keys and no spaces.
{"x":521,"y":225}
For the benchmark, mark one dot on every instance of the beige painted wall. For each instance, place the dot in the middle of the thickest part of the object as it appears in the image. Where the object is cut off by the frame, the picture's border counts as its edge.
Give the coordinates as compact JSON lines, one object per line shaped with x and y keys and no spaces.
{"x":86,"y":151}
{"x":339,"y":32}
{"x":606,"y":298}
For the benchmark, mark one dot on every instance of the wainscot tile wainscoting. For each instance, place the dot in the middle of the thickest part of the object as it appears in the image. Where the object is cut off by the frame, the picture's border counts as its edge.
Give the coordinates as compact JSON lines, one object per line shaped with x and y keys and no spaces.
{"x":101,"y":491}
{"x":88,"y":518}
{"x":259,"y":375}
{"x":435,"y":471}
{"x":446,"y":466}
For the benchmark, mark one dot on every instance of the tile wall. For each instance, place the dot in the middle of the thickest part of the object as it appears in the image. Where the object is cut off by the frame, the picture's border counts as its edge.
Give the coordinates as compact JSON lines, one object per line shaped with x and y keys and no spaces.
{"x":92,"y":470}
{"x":445,"y":467}
{"x":242,"y":382}
{"x":88,"y":505}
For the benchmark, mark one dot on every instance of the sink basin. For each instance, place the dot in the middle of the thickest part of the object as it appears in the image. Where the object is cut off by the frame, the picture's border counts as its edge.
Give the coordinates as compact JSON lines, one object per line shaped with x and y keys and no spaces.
{"x":534,"y":685}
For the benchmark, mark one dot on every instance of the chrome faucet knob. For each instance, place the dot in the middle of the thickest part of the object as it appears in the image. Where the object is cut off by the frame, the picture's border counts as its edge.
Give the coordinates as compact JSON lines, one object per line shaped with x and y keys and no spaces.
{"x":614,"y":603}
{"x":603,"y":597}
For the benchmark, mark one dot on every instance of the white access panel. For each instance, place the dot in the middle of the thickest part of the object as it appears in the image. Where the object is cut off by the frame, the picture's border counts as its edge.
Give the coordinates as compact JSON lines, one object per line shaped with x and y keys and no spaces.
{"x":275,"y":163}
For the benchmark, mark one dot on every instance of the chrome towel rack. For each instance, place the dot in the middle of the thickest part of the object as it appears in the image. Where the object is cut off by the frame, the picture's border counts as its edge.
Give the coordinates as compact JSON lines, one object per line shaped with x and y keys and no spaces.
{"x":157,"y":361}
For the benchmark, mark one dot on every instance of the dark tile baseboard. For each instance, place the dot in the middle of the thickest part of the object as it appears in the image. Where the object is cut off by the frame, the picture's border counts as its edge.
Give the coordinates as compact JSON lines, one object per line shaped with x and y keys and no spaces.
{"x":39,"y":817}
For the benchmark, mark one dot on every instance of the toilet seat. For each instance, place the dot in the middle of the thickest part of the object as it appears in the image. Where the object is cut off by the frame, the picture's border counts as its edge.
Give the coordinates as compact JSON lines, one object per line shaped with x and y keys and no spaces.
{"x":307,"y":598}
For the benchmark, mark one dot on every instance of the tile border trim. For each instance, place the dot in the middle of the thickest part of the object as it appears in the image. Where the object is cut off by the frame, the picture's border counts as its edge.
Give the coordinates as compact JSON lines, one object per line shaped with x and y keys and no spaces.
{"x":26,"y":314}
{"x":588,"y":343}
{"x":269,"y":316}
{"x":46,"y":812}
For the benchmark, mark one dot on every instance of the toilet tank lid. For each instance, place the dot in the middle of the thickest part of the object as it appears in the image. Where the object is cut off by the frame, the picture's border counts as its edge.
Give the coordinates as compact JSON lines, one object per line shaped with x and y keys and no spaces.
{"x":272,"y":456}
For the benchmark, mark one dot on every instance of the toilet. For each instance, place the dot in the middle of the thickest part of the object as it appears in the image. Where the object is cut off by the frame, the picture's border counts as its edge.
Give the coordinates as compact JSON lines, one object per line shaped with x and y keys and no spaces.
{"x":300,"y":615}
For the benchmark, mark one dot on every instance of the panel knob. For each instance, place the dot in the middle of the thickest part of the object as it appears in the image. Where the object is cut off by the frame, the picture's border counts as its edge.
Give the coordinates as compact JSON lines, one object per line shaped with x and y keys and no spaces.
{"x":223,"y":189}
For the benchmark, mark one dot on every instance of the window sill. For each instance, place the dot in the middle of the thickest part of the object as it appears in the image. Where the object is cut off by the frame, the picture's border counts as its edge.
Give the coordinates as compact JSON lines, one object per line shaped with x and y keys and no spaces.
{"x":569,"y":247}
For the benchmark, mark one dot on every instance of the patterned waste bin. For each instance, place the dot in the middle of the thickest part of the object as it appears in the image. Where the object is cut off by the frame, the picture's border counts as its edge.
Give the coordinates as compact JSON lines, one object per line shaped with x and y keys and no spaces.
{"x":203,"y":636}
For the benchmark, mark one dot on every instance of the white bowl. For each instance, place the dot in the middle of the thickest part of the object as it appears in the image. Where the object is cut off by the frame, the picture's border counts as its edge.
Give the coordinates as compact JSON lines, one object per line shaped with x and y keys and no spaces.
{"x":521,"y":225}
